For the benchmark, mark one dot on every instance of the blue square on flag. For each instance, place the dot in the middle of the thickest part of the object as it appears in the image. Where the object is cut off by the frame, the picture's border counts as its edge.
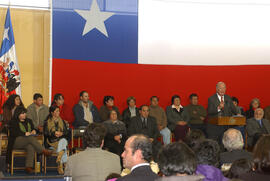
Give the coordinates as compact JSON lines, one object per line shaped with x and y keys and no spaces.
{"x":96,"y":30}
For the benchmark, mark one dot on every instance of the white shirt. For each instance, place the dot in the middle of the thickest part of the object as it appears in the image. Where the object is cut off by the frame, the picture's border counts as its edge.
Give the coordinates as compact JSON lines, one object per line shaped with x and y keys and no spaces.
{"x":139,"y":165}
{"x":180,"y":107}
{"x":87,"y":114}
{"x":219,"y":98}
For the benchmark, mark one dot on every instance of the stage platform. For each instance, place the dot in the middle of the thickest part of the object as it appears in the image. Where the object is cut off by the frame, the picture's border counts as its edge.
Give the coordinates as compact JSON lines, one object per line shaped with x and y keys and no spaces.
{"x":51,"y":174}
{"x":32,"y":177}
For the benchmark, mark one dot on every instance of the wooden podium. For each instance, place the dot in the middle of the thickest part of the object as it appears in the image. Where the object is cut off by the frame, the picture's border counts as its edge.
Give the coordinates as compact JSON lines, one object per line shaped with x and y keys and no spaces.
{"x":239,"y":121}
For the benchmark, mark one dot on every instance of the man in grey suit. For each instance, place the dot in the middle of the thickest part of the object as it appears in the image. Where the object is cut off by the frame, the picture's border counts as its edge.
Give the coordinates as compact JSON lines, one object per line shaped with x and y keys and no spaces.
{"x":136,"y":157}
{"x":219,"y":104}
{"x":256,"y":127}
{"x":94,"y":163}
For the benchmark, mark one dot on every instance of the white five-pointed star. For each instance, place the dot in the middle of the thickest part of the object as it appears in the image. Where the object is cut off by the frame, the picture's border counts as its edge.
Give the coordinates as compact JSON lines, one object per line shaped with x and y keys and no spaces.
{"x":94,"y":18}
{"x":6,"y":33}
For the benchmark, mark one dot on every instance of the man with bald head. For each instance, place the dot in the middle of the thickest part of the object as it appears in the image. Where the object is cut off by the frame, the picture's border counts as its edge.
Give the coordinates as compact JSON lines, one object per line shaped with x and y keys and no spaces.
{"x":219,"y":104}
{"x":233,"y":142}
{"x":136,"y":157}
{"x":257,"y":126}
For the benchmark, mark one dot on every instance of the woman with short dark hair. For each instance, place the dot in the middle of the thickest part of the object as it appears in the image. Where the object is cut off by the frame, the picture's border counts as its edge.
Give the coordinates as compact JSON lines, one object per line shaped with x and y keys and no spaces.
{"x":130,"y":111}
{"x":207,"y":152}
{"x":22,"y":137}
{"x":108,"y":104}
{"x":178,"y":118}
{"x":254,"y":104}
{"x":116,"y":134}
{"x":239,"y":167}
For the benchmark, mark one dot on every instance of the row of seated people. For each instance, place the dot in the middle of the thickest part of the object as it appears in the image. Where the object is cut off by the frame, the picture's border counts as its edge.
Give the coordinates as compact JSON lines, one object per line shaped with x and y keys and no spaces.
{"x":56,"y":135}
{"x":114,"y":140}
{"x":195,"y":159}
{"x":176,"y":119}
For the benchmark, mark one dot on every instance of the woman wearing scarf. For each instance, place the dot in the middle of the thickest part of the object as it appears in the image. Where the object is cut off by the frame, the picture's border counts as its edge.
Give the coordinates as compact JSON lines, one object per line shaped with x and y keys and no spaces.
{"x":56,"y":134}
{"x":22,"y":137}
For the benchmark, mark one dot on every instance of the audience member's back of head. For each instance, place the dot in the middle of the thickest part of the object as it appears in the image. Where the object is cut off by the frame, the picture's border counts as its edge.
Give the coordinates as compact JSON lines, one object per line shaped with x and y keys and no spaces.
{"x":232,"y":140}
{"x":193,"y":137}
{"x":207,"y":152}
{"x":261,"y":155}
{"x":177,"y":158}
{"x":239,"y":167}
{"x":94,"y":135}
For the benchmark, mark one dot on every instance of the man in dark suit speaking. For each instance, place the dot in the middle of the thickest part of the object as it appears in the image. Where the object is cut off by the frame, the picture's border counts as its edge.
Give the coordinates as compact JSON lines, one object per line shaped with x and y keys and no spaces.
{"x":136,"y":157}
{"x":219,"y":104}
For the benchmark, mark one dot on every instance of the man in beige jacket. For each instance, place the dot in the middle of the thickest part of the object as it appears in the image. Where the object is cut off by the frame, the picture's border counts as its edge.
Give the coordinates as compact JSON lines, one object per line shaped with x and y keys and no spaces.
{"x":94,"y":163}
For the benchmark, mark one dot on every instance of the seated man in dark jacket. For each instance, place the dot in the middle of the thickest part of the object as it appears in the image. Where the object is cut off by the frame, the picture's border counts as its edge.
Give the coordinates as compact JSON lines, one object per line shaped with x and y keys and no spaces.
{"x":85,"y":111}
{"x":256,"y":127}
{"x":146,"y":125}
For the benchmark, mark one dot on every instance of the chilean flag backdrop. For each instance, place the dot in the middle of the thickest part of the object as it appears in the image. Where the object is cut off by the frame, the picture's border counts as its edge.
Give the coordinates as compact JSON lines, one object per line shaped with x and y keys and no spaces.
{"x":160,"y":47}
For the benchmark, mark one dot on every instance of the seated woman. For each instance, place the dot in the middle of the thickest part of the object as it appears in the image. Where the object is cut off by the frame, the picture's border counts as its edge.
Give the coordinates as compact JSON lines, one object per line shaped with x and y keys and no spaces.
{"x":207,"y":152}
{"x":178,"y":118}
{"x":131,"y":111}
{"x":261,"y":159}
{"x":254,"y":104}
{"x":116,"y":134}
{"x":22,"y":137}
{"x":56,"y":133}
{"x":108,"y":104}
{"x":9,"y":107}
{"x":240,"y":110}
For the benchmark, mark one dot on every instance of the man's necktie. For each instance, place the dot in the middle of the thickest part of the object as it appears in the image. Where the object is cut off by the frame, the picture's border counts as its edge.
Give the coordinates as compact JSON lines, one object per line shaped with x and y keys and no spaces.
{"x":144,"y":123}
{"x":222,"y":101}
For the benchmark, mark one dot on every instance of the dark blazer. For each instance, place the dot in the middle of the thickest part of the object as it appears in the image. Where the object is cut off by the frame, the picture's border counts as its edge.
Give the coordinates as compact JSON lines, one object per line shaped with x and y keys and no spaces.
{"x":254,"y":130}
{"x":127,"y":116}
{"x":173,"y":116}
{"x":14,"y":132}
{"x":79,"y":114}
{"x":230,"y":157}
{"x":142,"y":173}
{"x":213,"y":103}
{"x":113,"y":129}
{"x":136,"y":127}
